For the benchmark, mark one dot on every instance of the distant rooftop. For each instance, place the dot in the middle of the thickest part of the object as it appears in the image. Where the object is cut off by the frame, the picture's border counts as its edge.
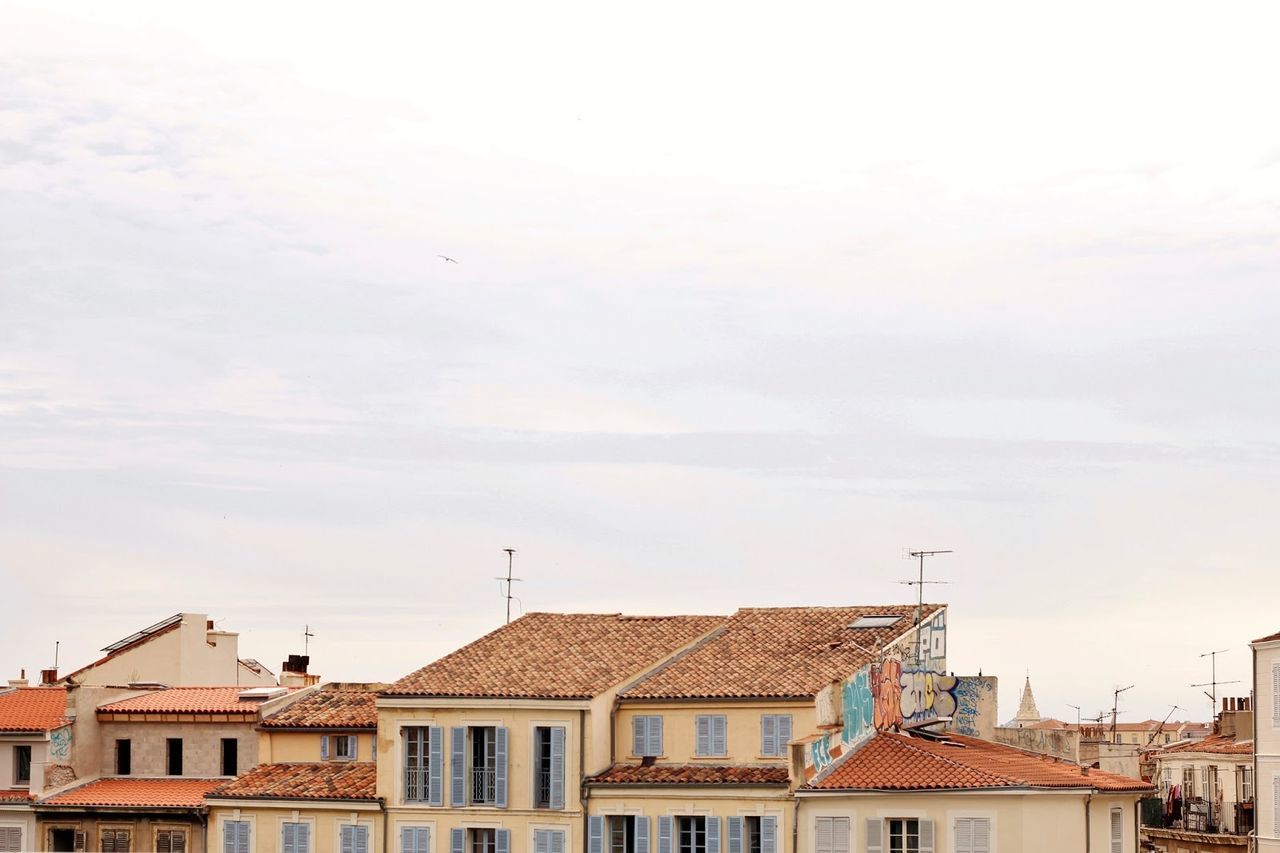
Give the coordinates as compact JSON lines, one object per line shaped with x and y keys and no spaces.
{"x":33,"y":709}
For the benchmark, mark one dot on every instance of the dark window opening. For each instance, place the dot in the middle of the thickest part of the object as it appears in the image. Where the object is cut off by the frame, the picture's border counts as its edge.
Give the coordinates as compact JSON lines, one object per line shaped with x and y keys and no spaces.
{"x":62,"y":840}
{"x":622,"y":834}
{"x":230,"y":756}
{"x":483,"y":840}
{"x":416,"y":768}
{"x":542,"y":767}
{"x":22,"y":764}
{"x":124,"y":757}
{"x":751,"y":835}
{"x":173,"y":754}
{"x":693,"y":835}
{"x":904,"y":835}
{"x":484,"y":765}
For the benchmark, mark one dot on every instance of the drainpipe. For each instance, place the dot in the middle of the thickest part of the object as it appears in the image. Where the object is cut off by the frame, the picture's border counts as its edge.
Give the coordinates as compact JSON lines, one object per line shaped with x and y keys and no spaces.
{"x":795,"y":824}
{"x":383,"y":804}
{"x":583,"y":794}
{"x":1088,"y":838}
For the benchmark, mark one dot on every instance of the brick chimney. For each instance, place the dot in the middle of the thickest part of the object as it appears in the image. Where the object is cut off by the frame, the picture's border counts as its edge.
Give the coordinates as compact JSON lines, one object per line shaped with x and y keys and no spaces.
{"x":20,"y":681}
{"x":293,"y":672}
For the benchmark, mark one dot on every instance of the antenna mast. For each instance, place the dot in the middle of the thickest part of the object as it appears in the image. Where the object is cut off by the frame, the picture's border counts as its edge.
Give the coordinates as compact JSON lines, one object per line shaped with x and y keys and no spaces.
{"x":511,"y":555}
{"x":1213,"y":681}
{"x":919,"y":585}
{"x":306,"y":639}
{"x":1115,"y":709}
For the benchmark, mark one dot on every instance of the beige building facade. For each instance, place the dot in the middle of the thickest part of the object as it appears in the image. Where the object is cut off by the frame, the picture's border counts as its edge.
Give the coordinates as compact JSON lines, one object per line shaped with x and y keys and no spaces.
{"x":1266,"y":692}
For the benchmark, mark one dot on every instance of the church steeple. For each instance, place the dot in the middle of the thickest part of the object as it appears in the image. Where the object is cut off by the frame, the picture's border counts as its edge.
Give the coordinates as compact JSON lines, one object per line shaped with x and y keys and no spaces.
{"x":1027,"y":710}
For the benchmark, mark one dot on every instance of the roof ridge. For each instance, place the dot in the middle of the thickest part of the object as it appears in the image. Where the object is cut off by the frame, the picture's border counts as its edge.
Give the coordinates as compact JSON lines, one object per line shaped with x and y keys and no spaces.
{"x":907,"y":741}
{"x":663,"y":665}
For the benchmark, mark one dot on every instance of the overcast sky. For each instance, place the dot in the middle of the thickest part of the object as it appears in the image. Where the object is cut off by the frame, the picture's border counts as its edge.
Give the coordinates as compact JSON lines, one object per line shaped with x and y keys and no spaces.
{"x":748,"y":300}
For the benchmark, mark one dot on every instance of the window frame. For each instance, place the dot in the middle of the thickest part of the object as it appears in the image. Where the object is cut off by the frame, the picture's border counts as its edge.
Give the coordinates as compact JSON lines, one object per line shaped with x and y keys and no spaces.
{"x":422,"y":755}
{"x":234,"y":743}
{"x":482,"y":780}
{"x":627,"y":822}
{"x":904,"y":832}
{"x":475,"y":842}
{"x":973,"y":821}
{"x":170,"y":753}
{"x":21,"y":749}
{"x":171,"y":832}
{"x":124,"y":768}
{"x":696,"y":829}
{"x":711,"y":722}
{"x":309,"y":844}
{"x":653,"y":731}
{"x":839,"y":825}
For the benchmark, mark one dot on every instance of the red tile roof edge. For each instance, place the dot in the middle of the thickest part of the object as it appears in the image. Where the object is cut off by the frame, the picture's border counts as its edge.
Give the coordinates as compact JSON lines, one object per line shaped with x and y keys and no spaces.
{"x":138,"y":642}
{"x":1270,"y":638}
{"x":275,"y":774}
{"x":634,"y":775}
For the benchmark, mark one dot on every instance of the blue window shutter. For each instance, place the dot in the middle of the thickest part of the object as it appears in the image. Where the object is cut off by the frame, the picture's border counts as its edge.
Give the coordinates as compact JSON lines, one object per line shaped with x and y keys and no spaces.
{"x":557,"y":767}
{"x":304,"y":838}
{"x":242,"y":836}
{"x":642,"y":834}
{"x":639,"y":735}
{"x":230,"y":831}
{"x":324,"y":747}
{"x":664,"y":834}
{"x":354,"y":751}
{"x":408,"y":839}
{"x":500,"y":766}
{"x":733,"y":830}
{"x":702,"y":735}
{"x":655,"y":735}
{"x":289,"y":839}
{"x":424,"y":839}
{"x":541,"y":843}
{"x":784,"y":733}
{"x":502,"y":841}
{"x":347,"y":839}
{"x":719,"y":735}
{"x":713,"y":835}
{"x":768,"y":835}
{"x":457,"y":840}
{"x":768,"y":734}
{"x":595,"y":834}
{"x":557,"y":841}
{"x":458,"y":767}
{"x":435,"y":766}
{"x":362,"y":839}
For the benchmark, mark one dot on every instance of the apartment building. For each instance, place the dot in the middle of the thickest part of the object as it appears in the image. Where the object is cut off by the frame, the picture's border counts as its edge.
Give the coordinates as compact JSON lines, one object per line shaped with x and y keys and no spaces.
{"x":34,"y":731}
{"x":1266,"y":692}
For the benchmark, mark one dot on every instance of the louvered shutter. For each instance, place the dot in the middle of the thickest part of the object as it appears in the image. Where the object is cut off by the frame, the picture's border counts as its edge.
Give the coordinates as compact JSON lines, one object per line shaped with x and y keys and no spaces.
{"x":1117,"y":831}
{"x":784,"y":733}
{"x":435,"y":766}
{"x":1275,"y":805}
{"x":664,"y":834}
{"x":1275,"y":695}
{"x":768,"y":734}
{"x":595,"y":834}
{"x":502,"y":841}
{"x":242,"y":837}
{"x":875,"y":836}
{"x":11,"y":839}
{"x":768,"y":834}
{"x":361,"y":839}
{"x":500,"y":767}
{"x":458,"y":767}
{"x":557,"y":767}
{"x":178,"y":842}
{"x":409,"y":839}
{"x":964,"y":835}
{"x":457,"y":840}
{"x":733,"y":834}
{"x":354,"y":750}
{"x":982,"y":835}
{"x":108,"y":842}
{"x":926,"y":836}
{"x":557,"y":842}
{"x":713,"y":835}
{"x":541,"y":844}
{"x":289,"y":838}
{"x":642,"y":834}
{"x":655,"y":735}
{"x":639,"y":735}
{"x":702,"y":735}
{"x":164,"y":843}
{"x":840,"y":834}
{"x":347,"y":839}
{"x":324,"y":747}
{"x":719,"y":735}
{"x":822,"y":828}
{"x":304,"y":838}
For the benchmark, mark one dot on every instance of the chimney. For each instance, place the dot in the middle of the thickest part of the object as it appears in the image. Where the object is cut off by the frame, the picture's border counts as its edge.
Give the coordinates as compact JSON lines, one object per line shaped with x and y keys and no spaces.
{"x":294,"y":672}
{"x":20,"y":681}
{"x":48,"y":677}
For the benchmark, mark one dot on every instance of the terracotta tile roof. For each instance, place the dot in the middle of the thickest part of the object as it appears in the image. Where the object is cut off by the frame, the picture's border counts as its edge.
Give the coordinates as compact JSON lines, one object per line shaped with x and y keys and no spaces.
{"x":691,"y":774}
{"x":133,"y":791}
{"x":328,"y":709}
{"x":319,"y":781}
{"x":1213,"y":745}
{"x":1269,"y":638}
{"x":16,"y":796}
{"x":188,"y":700}
{"x":556,"y":655}
{"x":775,"y":652}
{"x":33,"y":709}
{"x":891,"y":761}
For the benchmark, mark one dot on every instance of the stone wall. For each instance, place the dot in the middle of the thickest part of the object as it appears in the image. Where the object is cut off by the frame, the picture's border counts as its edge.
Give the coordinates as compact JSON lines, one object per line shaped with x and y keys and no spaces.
{"x":201,"y":747}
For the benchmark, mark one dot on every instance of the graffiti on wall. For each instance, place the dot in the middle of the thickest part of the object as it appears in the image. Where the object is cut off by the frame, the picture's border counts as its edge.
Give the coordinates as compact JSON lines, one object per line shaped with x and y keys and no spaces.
{"x":857,"y":706}
{"x":60,"y":743}
{"x":975,"y":707}
{"x":927,"y":695}
{"x":888,"y":680}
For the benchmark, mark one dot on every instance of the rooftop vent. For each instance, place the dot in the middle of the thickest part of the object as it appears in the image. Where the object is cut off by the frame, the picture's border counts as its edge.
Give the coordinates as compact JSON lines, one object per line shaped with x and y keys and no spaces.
{"x":261,"y":694}
{"x":874,"y":621}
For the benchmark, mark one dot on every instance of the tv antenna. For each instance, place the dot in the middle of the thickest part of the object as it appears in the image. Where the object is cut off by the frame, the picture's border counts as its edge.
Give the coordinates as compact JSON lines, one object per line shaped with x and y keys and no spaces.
{"x":1160,"y":727}
{"x":509,"y":580}
{"x":306,"y":639}
{"x":1077,"y":707}
{"x":1115,"y":708}
{"x":1213,"y":681}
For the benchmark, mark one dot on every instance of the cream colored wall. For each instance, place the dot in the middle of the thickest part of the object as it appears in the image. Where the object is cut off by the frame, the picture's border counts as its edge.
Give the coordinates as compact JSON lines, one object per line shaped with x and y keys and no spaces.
{"x":266,"y":825}
{"x":742,"y":729}
{"x":24,"y":819}
{"x":725,"y":802}
{"x":142,"y":830}
{"x":189,"y":656}
{"x":201,"y":747}
{"x":8,"y":768}
{"x":1266,"y":748}
{"x":1020,"y":823}
{"x":275,"y":747}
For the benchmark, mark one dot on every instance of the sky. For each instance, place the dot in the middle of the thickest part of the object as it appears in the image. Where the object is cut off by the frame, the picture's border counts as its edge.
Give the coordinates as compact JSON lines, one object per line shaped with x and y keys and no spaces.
{"x":748,"y":300}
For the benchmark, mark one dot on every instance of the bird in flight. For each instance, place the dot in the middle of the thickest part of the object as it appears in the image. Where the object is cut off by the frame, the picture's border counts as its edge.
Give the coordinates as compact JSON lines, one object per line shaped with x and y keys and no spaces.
{"x":447,"y":259}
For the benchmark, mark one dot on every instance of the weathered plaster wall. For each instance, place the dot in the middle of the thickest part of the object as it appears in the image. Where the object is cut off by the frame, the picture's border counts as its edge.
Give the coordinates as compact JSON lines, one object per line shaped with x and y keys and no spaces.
{"x":201,"y":747}
{"x":1058,"y":743}
{"x":977,"y":711}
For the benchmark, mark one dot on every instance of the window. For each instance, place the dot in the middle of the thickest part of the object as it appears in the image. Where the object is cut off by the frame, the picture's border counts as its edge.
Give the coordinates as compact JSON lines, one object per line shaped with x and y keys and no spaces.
{"x":344,"y":747}
{"x":477,"y":767}
{"x":621,"y":834}
{"x":831,"y":835}
{"x":1246,"y":783}
{"x":295,"y":837}
{"x":775,"y":733}
{"x":171,"y":841}
{"x":973,"y":835}
{"x":1275,"y":695}
{"x":542,"y":767}
{"x":710,"y":735}
{"x":354,"y":838}
{"x":1188,"y":782}
{"x":115,"y":841}
{"x":416,"y":764}
{"x":22,"y":764}
{"x":548,"y":841}
{"x":11,"y":839}
{"x":67,"y":839}
{"x":230,"y":754}
{"x":904,"y":835}
{"x":415,"y":839}
{"x":1117,"y":831}
{"x":484,"y":763}
{"x":124,"y":756}
{"x":646,"y":735}
{"x":174,"y":756}
{"x":482,"y":841}
{"x":692,"y":835}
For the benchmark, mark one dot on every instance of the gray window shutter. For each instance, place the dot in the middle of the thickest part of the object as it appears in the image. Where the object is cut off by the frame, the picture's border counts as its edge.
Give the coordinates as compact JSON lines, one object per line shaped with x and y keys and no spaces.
{"x":702,"y":735}
{"x":982,"y":835}
{"x":719,"y":735}
{"x":557,"y":842}
{"x":423,"y":839}
{"x":964,"y":835}
{"x":347,"y":839}
{"x":1117,"y":831}
{"x":229,"y":837}
{"x":289,"y":841}
{"x":557,"y":767}
{"x":595,"y":834}
{"x":784,"y":733}
{"x":242,"y":837}
{"x":457,"y":840}
{"x":502,"y":841}
{"x":458,"y":767}
{"x":733,"y":830}
{"x":655,"y":735}
{"x":541,"y":843}
{"x":81,"y":841}
{"x":768,"y":734}
{"x":362,"y":839}
{"x":500,"y":767}
{"x":324,"y":747}
{"x":875,"y":835}
{"x":926,"y":836}
{"x":408,"y":839}
{"x":642,"y":834}
{"x":435,"y":766}
{"x":664,"y":834}
{"x":768,"y":834}
{"x":639,"y":735}
{"x":713,"y":835}
{"x":354,"y":751}
{"x":304,"y":838}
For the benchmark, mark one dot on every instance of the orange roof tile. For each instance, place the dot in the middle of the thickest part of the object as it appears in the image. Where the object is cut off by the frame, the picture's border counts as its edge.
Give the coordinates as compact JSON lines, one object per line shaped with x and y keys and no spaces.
{"x":556,"y":656}
{"x":899,"y":762}
{"x":1212,"y":745}
{"x":187,"y":700}
{"x":136,"y":792}
{"x":33,"y":709}
{"x":317,"y":781}
{"x":691,"y":774}
{"x":328,"y":709}
{"x":775,"y":652}
{"x":16,"y":796}
{"x":1269,"y":638}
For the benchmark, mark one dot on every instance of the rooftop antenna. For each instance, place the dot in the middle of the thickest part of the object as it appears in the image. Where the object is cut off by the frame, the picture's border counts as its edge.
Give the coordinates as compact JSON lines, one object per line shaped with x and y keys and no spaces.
{"x":1213,"y":681}
{"x":1160,"y":727}
{"x":1115,"y":709}
{"x":919,"y":585}
{"x":511,"y":555}
{"x":56,"y":644}
{"x":1077,"y":707}
{"x":306,"y":639}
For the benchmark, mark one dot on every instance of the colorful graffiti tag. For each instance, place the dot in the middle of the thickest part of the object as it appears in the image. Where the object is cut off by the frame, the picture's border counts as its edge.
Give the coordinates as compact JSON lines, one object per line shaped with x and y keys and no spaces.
{"x":857,"y":706}
{"x":888,"y":701}
{"x":971,"y":693}
{"x":60,"y":743}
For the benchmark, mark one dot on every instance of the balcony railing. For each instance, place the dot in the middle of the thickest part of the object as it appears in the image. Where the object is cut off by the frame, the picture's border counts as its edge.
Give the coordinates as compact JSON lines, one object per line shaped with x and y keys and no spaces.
{"x":484,"y":786}
{"x":542,"y":795}
{"x":415,"y":784}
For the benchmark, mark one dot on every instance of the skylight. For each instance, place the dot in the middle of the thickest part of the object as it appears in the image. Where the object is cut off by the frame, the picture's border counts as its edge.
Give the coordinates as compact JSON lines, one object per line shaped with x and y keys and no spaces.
{"x":874,"y":621}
